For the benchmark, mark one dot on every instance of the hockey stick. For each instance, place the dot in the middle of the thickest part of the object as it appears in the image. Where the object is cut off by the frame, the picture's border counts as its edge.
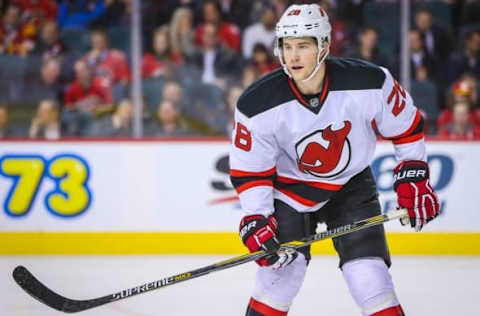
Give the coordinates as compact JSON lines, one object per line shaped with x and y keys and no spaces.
{"x":35,"y":288}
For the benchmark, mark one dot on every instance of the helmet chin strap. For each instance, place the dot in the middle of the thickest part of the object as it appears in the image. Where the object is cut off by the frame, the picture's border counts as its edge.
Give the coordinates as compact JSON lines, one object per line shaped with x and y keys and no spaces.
{"x":319,"y":63}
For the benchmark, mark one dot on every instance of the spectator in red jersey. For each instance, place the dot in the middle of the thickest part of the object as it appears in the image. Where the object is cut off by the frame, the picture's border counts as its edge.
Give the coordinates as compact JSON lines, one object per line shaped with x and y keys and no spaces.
{"x":228,"y":33}
{"x":49,"y":45}
{"x":38,"y":9}
{"x":88,"y":93}
{"x":262,"y":61}
{"x":462,"y":90}
{"x":160,"y":62}
{"x":107,"y":62}
{"x":182,"y":33}
{"x":87,"y":97}
{"x":462,"y":126}
{"x":16,"y":38}
{"x":5,"y":130}
{"x":46,"y":124}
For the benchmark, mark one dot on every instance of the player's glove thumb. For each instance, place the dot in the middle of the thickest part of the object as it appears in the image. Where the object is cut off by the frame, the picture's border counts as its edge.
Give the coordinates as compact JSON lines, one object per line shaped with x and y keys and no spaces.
{"x":259,"y":233}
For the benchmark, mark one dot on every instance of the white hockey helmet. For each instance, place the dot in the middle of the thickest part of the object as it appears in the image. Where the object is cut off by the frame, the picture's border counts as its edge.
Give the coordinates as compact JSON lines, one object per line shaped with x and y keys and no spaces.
{"x":305,"y":20}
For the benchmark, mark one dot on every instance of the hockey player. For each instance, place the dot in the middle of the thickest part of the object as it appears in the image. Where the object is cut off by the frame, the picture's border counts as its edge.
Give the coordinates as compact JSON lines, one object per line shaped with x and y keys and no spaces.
{"x":303,"y":140}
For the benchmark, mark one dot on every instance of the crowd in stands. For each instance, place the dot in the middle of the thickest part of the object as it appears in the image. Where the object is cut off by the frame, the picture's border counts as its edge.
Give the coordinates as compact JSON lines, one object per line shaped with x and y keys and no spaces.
{"x":65,"y":66}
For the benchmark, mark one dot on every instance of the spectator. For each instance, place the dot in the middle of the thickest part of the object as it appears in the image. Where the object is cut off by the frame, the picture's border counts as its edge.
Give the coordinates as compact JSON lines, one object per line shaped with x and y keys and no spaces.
{"x":419,"y":56}
{"x":233,"y":94}
{"x":367,"y":48}
{"x":182,"y":33}
{"x":173,"y":92}
{"x":262,"y":61}
{"x":16,"y":38}
{"x":119,"y":124}
{"x":236,"y":11}
{"x":88,"y":93}
{"x":114,"y":14}
{"x":462,"y":126}
{"x":228,"y":33}
{"x":249,"y":75}
{"x":463,"y":90}
{"x":46,"y":123}
{"x":5,"y":130}
{"x":49,"y":45}
{"x":261,"y":32}
{"x":424,"y":93}
{"x":340,"y":29}
{"x":216,"y":62}
{"x":168,"y":121}
{"x":38,"y":9}
{"x":438,"y":42}
{"x":470,"y":12}
{"x":468,"y":59}
{"x":79,"y":13}
{"x":50,"y":86}
{"x":107,"y":62}
{"x":161,"y":61}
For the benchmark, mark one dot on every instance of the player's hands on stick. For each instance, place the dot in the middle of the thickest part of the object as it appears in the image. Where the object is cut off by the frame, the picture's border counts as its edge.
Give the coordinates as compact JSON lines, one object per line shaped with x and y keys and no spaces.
{"x":259,"y":233}
{"x":412,"y":184}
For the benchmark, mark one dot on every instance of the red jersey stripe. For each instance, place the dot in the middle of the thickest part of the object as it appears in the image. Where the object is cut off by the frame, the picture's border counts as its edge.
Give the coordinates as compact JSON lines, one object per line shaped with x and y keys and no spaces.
{"x":241,"y":173}
{"x":319,"y":185}
{"x":297,"y":198}
{"x":408,"y":139}
{"x":392,"y":311}
{"x":252,"y":184}
{"x":416,"y":120}
{"x":265,"y":309}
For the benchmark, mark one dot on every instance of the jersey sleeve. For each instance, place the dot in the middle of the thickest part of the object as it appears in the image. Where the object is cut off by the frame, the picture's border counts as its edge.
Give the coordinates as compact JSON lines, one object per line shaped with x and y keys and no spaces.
{"x":253,"y":156}
{"x":399,"y":120}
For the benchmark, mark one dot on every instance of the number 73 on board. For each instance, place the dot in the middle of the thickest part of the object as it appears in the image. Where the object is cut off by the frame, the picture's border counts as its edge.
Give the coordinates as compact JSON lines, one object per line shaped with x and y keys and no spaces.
{"x":70,"y":196}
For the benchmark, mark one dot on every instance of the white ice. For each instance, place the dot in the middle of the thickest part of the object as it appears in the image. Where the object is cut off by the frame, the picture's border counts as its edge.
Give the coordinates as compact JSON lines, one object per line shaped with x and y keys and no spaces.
{"x":426,"y":286}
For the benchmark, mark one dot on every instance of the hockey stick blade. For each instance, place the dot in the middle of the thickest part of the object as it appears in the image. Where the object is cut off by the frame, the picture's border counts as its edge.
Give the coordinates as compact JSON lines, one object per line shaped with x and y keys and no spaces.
{"x":27,"y":281}
{"x":36,"y":289}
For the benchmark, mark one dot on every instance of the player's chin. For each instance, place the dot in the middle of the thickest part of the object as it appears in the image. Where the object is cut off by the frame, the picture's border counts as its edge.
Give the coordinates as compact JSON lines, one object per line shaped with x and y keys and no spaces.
{"x":299,"y":76}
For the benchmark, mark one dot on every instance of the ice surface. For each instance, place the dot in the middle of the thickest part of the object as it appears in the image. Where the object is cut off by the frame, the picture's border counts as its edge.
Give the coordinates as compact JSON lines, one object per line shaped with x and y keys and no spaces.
{"x":437,"y":286}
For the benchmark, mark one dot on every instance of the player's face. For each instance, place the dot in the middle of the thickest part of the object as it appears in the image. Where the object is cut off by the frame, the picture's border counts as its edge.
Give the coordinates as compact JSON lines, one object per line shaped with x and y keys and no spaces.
{"x":300,"y":56}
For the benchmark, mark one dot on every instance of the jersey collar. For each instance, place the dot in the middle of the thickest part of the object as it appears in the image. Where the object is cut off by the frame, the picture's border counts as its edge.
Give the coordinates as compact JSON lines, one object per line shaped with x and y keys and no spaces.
{"x":312,"y":102}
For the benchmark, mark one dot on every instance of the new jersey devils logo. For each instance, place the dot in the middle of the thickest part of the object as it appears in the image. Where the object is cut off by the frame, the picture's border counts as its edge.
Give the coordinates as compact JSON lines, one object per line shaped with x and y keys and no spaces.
{"x":324,"y":153}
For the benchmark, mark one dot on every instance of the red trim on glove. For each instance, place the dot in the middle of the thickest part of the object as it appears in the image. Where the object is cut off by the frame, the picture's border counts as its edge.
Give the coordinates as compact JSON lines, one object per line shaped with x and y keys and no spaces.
{"x":264,"y":309}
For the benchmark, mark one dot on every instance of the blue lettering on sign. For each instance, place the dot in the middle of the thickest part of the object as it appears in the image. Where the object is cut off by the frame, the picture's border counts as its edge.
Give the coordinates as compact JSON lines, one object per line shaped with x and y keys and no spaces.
{"x":380,"y":170}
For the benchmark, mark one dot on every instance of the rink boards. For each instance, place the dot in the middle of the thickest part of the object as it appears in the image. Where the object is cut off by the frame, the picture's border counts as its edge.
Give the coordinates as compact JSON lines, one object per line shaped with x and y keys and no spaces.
{"x":175,"y":197}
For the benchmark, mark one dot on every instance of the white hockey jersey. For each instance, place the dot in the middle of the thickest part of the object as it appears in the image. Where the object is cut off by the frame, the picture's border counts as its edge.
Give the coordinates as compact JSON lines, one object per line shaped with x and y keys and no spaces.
{"x":302,"y":149}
